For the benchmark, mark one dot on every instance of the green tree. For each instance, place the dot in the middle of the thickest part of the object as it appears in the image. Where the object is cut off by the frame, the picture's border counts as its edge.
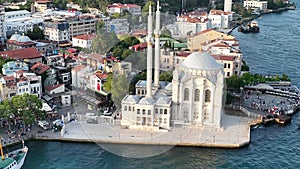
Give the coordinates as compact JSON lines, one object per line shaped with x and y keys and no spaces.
{"x":166,"y":32}
{"x":146,"y":7}
{"x":119,"y":88}
{"x":28,"y":107}
{"x":35,"y":34}
{"x":166,"y":76}
{"x":126,"y":53}
{"x":7,"y":111}
{"x":103,"y":42}
{"x":100,"y":25}
{"x":108,"y":83}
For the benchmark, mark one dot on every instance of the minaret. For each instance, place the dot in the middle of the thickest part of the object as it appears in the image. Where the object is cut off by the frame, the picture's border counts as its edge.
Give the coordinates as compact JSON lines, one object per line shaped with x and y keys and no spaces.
{"x":157,"y":47}
{"x":227,"y":5}
{"x":149,"y":54}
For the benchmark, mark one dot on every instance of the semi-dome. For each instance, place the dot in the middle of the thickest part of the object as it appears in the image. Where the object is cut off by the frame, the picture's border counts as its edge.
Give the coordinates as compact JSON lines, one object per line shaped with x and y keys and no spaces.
{"x":15,"y":36}
{"x":200,"y":61}
{"x":24,"y":38}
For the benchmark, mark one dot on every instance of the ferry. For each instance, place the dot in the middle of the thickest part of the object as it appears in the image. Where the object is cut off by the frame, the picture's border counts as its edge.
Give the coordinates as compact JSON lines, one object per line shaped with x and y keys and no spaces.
{"x":251,"y":27}
{"x":14,"y":159}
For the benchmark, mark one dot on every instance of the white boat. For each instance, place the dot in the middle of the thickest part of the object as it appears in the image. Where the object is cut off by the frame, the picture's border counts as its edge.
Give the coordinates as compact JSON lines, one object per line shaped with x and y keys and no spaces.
{"x":14,"y":159}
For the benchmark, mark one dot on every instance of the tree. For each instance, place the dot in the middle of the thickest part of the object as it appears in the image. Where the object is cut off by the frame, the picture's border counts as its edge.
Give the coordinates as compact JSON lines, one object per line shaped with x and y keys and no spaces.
{"x":28,"y":107}
{"x":146,"y":7}
{"x":35,"y":34}
{"x":166,"y":32}
{"x":119,"y":88}
{"x":103,"y":42}
{"x":166,"y":76}
{"x":100,"y":25}
{"x":7,"y":112}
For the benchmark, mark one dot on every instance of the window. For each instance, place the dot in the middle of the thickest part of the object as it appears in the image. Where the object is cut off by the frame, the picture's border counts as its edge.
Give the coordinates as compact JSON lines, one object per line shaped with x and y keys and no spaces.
{"x":160,"y":120}
{"x":156,"y":111}
{"x":186,"y":94}
{"x":206,"y":114}
{"x":225,"y":65}
{"x":165,"y":120}
{"x":129,"y":108}
{"x":228,"y":74}
{"x":228,"y":66}
{"x":125,"y":108}
{"x":132,"y":108}
{"x":165,"y":111}
{"x":149,"y":112}
{"x":207,"y":95}
{"x":138,"y":111}
{"x":160,"y":111}
{"x":144,"y":111}
{"x":197,"y":95}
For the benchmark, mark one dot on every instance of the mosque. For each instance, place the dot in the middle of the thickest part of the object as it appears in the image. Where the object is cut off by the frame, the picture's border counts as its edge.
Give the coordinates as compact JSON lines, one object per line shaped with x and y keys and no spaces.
{"x":193,"y":98}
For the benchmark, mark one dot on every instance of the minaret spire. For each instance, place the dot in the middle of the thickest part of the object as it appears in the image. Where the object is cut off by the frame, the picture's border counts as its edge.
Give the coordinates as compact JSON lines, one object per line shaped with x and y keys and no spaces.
{"x":149,"y":54}
{"x":157,"y":46}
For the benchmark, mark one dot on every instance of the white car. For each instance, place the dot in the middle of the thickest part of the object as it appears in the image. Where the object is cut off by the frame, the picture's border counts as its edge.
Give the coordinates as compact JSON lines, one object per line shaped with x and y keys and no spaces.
{"x":44,"y":124}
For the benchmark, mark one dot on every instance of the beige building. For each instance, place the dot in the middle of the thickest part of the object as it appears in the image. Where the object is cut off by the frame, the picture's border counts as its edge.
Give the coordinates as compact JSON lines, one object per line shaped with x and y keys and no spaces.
{"x":261,"y":5}
{"x":194,"y":43}
{"x":2,"y":25}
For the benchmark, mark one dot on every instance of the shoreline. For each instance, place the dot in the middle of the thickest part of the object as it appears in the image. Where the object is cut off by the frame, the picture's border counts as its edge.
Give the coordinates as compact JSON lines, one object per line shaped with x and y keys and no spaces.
{"x":245,"y":20}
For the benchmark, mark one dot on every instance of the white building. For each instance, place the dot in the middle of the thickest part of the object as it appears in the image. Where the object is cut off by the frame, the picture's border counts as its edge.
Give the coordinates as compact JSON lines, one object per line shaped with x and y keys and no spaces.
{"x":194,"y":97}
{"x":21,"y":21}
{"x":188,"y":25}
{"x":120,"y":8}
{"x":20,"y":83}
{"x":2,"y":25}
{"x":261,"y":5}
{"x":220,"y":19}
{"x":83,"y":41}
{"x":57,"y":31}
{"x":119,"y":26}
{"x":198,"y":91}
{"x":227,"y":5}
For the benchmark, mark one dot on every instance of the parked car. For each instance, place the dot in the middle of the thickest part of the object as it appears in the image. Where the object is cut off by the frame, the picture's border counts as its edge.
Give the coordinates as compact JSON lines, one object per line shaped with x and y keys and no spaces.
{"x":44,"y":124}
{"x":58,"y":122}
{"x":92,"y":121}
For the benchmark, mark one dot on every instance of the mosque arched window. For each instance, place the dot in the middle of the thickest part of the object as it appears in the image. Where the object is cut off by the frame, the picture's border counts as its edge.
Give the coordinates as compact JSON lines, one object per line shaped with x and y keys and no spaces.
{"x":186,"y":94}
{"x":207,"y":95}
{"x":197,"y":95}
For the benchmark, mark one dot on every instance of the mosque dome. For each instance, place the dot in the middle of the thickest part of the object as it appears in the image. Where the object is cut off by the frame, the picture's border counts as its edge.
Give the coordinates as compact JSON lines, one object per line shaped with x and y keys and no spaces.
{"x":24,"y":38}
{"x":15,"y":36}
{"x":200,"y":61}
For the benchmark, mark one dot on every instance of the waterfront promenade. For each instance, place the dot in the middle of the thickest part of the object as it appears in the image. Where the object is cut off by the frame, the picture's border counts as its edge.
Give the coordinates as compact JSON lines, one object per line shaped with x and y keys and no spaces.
{"x":235,"y":133}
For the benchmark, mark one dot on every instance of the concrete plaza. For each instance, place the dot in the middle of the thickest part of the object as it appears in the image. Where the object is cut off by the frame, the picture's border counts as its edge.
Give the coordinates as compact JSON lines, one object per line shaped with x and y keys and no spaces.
{"x":235,"y":132}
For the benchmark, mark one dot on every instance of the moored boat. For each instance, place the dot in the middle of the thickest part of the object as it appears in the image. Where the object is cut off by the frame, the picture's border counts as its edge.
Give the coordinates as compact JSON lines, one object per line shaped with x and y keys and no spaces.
{"x":14,"y":159}
{"x":251,"y":27}
{"x":283,"y":119}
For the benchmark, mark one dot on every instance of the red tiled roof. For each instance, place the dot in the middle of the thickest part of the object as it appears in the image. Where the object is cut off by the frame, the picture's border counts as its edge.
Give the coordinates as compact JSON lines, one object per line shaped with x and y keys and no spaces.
{"x":101,"y":75}
{"x":6,"y":78}
{"x":78,"y":68}
{"x":26,"y":53}
{"x":85,"y":36}
{"x":50,"y":88}
{"x":184,"y":54}
{"x":20,"y":43}
{"x":39,"y":68}
{"x":119,"y":5}
{"x":223,"y":57}
{"x":140,"y":46}
{"x":218,"y":12}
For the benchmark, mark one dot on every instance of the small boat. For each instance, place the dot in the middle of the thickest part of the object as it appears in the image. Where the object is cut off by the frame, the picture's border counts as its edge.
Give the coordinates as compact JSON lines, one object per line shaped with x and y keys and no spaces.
{"x":251,"y":27}
{"x":283,"y":119}
{"x":14,"y":159}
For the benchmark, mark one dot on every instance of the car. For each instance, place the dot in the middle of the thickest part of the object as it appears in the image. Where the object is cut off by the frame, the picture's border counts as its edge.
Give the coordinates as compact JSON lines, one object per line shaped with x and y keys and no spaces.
{"x":89,"y":114}
{"x":58,"y":122}
{"x":44,"y":124}
{"x":92,"y":121}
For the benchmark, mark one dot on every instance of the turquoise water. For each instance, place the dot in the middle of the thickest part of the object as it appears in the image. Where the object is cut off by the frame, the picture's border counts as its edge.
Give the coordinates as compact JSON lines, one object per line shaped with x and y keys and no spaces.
{"x":275,"y":50}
